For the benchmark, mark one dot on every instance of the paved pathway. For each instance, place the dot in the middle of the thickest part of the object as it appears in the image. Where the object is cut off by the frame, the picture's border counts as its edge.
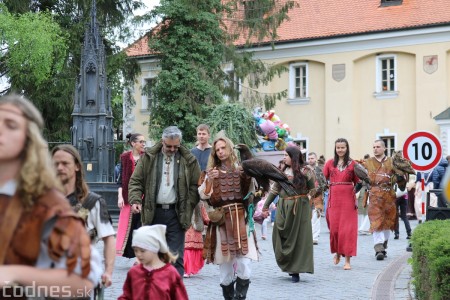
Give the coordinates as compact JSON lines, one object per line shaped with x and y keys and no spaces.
{"x":368,"y":279}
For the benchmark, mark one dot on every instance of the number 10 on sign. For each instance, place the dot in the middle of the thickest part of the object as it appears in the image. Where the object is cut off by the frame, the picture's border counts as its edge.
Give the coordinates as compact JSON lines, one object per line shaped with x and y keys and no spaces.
{"x":423,"y":149}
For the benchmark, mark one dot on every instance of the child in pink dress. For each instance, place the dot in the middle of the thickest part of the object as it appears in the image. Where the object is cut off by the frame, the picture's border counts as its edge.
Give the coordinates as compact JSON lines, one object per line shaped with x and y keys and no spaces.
{"x":154,"y":277}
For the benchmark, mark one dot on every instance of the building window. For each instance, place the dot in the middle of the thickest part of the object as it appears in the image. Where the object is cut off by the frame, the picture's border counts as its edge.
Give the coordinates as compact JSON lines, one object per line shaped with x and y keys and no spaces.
{"x":389,"y":141}
{"x":391,"y":2}
{"x":298,"y":81}
{"x":147,"y":95}
{"x":232,"y":86}
{"x":386,"y":76}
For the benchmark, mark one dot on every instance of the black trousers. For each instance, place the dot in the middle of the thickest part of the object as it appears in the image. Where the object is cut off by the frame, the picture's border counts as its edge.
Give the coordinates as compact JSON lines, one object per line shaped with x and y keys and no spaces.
{"x":402,"y":204}
{"x":441,"y":200}
{"x":174,"y":234}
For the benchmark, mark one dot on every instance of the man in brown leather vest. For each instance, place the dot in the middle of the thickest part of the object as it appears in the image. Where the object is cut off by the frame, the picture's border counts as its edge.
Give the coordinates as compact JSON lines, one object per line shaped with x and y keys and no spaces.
{"x":227,"y":242}
{"x":382,"y":210}
{"x":89,"y":206}
{"x":42,"y":241}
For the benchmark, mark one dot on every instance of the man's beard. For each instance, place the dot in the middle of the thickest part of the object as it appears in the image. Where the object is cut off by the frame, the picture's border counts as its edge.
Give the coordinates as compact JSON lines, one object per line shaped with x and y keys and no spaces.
{"x":63,"y":178}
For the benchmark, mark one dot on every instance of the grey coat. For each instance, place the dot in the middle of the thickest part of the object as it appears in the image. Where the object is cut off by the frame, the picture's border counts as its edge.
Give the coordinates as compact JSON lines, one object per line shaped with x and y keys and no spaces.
{"x":146,"y":180}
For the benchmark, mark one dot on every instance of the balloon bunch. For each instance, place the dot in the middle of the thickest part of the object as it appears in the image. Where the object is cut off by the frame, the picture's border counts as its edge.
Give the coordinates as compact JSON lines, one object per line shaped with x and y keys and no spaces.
{"x":273,"y":133}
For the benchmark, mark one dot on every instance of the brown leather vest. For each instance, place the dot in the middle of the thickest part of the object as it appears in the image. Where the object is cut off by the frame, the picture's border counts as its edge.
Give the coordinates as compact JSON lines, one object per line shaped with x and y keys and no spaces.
{"x":25,"y":245}
{"x":227,"y":189}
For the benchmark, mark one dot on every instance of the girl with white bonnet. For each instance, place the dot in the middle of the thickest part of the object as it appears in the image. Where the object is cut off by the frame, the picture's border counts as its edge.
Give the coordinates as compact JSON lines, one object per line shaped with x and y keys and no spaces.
{"x":155,"y":277}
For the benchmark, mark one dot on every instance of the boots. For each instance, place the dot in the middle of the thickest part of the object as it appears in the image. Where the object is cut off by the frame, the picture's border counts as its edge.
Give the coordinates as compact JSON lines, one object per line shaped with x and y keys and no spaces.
{"x":241,"y":288}
{"x":379,"y":251}
{"x":228,"y":291}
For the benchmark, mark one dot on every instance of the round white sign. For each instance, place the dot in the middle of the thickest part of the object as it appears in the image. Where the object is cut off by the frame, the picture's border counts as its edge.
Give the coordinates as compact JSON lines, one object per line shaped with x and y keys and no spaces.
{"x":423,"y":149}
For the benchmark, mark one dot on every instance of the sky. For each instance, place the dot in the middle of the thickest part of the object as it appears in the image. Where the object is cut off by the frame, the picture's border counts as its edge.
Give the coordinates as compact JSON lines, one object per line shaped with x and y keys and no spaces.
{"x":140,"y":31}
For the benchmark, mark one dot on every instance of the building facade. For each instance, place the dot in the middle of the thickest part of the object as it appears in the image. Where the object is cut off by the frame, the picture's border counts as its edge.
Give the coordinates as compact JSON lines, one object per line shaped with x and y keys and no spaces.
{"x":361,"y":70}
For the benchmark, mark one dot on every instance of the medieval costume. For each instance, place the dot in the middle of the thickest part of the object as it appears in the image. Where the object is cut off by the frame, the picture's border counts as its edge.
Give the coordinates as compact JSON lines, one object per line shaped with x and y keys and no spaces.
{"x":38,"y":236}
{"x":162,"y":284}
{"x":193,"y":244}
{"x":127,"y":220}
{"x":154,"y":277}
{"x":291,"y":235}
{"x":342,"y":210}
{"x":94,"y":212}
{"x":227,"y":239}
{"x":382,"y":210}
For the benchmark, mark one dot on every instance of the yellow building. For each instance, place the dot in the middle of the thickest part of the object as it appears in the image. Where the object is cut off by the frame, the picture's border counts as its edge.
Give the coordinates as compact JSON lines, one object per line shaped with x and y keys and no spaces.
{"x":360,"y":70}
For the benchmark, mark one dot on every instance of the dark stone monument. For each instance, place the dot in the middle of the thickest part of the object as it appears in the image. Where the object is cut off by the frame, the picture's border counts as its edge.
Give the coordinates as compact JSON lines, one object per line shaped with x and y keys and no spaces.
{"x":92,"y":130}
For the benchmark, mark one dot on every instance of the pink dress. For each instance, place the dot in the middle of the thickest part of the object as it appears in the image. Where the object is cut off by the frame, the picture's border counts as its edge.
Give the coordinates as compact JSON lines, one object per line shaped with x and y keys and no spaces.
{"x":193,"y":247}
{"x":342,"y":211}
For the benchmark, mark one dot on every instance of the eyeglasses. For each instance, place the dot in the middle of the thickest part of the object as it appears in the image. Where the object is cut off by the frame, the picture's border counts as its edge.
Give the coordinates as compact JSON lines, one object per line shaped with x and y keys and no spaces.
{"x":175,"y":147}
{"x":142,"y":142}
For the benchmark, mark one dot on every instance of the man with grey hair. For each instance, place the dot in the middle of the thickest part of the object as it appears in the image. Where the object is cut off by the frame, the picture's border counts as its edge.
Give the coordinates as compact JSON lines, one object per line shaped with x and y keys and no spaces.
{"x":163,"y":188}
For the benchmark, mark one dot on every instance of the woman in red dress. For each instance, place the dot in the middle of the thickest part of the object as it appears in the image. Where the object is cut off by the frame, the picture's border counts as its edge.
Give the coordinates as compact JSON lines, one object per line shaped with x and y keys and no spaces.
{"x":127,"y":220}
{"x":342,"y":210}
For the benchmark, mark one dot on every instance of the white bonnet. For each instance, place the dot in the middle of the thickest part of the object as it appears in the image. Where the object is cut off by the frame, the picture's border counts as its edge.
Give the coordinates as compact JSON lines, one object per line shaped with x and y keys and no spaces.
{"x":151,"y":238}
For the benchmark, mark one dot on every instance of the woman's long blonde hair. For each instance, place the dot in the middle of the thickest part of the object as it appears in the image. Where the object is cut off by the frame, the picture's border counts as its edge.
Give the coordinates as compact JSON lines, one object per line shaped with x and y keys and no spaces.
{"x":37,"y":174}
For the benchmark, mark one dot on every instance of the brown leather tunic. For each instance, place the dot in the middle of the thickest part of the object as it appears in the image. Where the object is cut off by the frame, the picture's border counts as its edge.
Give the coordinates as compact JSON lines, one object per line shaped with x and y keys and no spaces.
{"x":382,"y":209}
{"x":230,"y":187}
{"x":68,"y":236}
{"x":228,"y":195}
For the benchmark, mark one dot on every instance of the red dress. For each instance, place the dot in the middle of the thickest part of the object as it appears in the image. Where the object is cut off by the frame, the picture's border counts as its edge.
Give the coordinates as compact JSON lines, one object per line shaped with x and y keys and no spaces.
{"x":162,"y":284}
{"x":193,"y":246}
{"x":342,"y":212}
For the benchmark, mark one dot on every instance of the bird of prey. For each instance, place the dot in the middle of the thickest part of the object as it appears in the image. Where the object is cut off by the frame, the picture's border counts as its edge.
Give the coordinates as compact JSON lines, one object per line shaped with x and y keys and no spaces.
{"x":263,"y":171}
{"x":401,"y":165}
{"x":361,"y":172}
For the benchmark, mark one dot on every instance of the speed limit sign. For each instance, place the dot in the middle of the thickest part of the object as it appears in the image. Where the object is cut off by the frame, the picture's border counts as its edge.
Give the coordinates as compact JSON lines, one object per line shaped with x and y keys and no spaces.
{"x":423,"y":149}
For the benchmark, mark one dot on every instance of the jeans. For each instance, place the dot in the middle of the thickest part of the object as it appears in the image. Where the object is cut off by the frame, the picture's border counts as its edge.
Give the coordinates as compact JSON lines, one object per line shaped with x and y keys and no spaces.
{"x":402,"y":203}
{"x":273,"y":212}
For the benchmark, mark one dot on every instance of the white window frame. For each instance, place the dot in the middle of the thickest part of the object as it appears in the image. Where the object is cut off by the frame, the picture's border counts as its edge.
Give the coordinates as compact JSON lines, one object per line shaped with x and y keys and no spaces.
{"x":390,"y":135}
{"x":144,"y":98}
{"x":292,"y":88}
{"x":236,"y":81}
{"x":379,"y":93}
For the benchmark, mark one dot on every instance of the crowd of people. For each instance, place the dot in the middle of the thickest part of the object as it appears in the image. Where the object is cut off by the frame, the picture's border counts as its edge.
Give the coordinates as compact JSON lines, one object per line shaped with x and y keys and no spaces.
{"x":180,"y":208}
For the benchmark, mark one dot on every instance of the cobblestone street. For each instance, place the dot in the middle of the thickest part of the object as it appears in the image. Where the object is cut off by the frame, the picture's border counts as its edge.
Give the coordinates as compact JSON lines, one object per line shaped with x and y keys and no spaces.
{"x":327,"y":282}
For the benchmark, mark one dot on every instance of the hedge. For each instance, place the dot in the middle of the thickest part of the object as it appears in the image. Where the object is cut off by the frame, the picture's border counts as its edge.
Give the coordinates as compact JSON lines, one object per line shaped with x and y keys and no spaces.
{"x":431,"y":260}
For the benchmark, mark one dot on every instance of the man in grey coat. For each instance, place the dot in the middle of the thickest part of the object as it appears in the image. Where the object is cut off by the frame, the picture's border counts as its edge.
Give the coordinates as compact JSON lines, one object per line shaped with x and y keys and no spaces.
{"x":163,"y":188}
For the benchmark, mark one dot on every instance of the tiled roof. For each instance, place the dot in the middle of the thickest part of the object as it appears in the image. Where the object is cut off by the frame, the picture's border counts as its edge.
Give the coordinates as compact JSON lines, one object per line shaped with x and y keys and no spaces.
{"x":139,"y":48}
{"x":327,"y":18}
{"x":315,"y":19}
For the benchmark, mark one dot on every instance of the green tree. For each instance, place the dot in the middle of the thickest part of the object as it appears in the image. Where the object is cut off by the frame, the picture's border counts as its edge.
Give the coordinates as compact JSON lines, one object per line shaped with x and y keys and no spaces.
{"x":53,"y":93}
{"x":236,"y":121}
{"x":194,"y":40}
{"x":34,"y":46}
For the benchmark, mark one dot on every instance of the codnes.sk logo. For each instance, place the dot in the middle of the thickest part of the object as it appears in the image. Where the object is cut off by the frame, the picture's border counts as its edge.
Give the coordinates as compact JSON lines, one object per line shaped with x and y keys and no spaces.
{"x":12,"y":290}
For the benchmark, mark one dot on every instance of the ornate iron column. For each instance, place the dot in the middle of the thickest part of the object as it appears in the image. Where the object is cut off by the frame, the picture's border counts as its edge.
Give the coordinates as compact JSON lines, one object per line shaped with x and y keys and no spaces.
{"x":92,"y":130}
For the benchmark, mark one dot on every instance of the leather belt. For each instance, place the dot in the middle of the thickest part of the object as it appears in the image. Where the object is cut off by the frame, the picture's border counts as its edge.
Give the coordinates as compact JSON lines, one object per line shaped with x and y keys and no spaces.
{"x":165,"y":206}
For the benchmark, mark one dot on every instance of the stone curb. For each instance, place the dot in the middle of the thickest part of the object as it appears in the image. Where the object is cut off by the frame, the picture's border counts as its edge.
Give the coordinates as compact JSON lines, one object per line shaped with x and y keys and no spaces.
{"x":386,"y":282}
